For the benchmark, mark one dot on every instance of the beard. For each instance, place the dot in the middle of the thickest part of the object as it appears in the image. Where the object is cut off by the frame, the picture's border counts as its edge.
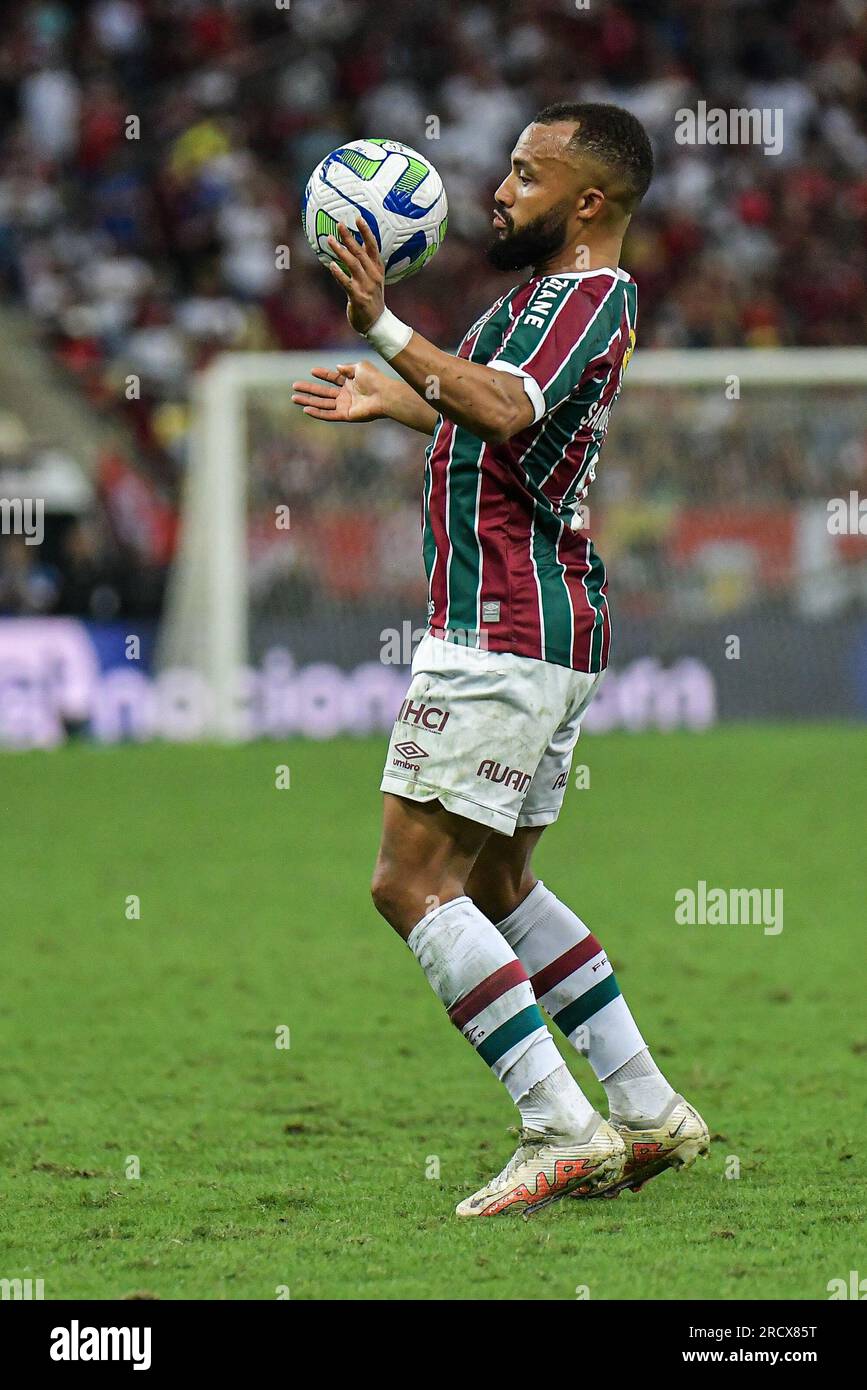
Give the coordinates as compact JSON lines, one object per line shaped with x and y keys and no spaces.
{"x":533,"y":244}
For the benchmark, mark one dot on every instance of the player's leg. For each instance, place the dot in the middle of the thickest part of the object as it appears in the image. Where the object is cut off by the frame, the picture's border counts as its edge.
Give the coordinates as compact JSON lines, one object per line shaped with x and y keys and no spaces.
{"x":573,"y":979}
{"x":571,"y":975}
{"x":460,"y":759}
{"x":425,"y":857}
{"x":502,"y":876}
{"x":419,"y":886}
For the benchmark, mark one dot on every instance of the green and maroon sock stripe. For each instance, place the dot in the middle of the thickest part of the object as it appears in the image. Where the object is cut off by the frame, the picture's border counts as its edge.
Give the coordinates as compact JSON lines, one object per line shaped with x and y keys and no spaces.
{"x":502,"y":980}
{"x":514,"y":1030}
{"x":498,"y":1013}
{"x":586,"y":1005}
{"x":571,"y":960}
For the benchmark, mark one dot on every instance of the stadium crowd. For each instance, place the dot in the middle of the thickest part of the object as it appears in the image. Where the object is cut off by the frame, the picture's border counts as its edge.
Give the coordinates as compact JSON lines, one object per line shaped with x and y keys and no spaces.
{"x":153,"y":154}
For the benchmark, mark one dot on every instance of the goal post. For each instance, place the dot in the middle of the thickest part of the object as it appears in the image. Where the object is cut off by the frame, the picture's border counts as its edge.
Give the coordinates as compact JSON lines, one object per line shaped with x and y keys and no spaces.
{"x":801,"y":366}
{"x":227,"y":593}
{"x":204,"y":629}
{"x":204,"y":624}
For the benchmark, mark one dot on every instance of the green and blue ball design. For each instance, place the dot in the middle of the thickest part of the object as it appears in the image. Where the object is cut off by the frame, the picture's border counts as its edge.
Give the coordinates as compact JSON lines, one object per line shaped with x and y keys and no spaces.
{"x":395,"y":189}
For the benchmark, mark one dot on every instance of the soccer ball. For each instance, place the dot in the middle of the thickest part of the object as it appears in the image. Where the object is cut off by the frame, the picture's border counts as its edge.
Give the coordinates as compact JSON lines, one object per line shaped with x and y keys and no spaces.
{"x":396,"y":190}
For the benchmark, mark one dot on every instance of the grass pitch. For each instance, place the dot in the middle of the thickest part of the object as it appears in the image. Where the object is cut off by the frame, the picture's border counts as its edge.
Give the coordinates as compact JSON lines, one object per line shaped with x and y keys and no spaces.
{"x":331,"y":1168}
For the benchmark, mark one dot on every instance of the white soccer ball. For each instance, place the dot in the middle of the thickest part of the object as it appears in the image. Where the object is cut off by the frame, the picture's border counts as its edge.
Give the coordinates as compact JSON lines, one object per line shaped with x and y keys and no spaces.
{"x":397,"y":191}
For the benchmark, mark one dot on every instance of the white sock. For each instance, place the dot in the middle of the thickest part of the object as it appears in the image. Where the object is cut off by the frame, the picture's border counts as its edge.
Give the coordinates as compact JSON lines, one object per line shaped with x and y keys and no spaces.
{"x":573,"y":980}
{"x":557,"y":1106}
{"x":638,"y":1093}
{"x":485,"y":989}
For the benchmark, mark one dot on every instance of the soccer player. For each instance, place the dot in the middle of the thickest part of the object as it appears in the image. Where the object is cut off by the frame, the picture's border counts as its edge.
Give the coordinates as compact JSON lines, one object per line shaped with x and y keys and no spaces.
{"x":518,"y":642}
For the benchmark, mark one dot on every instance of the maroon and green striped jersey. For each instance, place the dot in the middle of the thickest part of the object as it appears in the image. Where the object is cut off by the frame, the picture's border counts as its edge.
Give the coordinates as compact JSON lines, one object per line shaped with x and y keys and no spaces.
{"x":505,"y":568}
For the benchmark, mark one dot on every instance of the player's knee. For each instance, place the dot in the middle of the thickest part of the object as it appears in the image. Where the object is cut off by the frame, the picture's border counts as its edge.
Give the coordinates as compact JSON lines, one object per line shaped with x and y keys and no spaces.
{"x":388,"y":891}
{"x":403,"y":896}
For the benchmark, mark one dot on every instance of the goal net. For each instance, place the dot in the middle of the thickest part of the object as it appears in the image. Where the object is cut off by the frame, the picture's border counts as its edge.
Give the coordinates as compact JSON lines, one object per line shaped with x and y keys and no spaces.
{"x":728,"y":509}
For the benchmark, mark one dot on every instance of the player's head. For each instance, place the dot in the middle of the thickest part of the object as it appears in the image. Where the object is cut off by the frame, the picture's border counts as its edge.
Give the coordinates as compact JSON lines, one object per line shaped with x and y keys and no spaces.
{"x":578,"y":171}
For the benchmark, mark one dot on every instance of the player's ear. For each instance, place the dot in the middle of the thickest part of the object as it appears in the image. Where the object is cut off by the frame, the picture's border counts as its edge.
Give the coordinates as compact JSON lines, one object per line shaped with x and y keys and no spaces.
{"x":590,"y":203}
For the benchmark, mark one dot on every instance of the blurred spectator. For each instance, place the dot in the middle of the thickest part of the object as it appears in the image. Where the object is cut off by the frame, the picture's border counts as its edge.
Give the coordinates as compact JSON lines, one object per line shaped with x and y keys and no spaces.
{"x":28,"y":585}
{"x":154,"y":153}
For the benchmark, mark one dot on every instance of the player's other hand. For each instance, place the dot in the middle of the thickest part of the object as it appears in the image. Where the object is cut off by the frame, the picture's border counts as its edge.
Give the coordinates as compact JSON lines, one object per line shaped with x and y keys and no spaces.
{"x":351,"y":393}
{"x":365,"y":283}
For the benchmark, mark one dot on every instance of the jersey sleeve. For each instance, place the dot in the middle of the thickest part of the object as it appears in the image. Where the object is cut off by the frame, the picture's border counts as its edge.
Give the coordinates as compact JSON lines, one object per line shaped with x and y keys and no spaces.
{"x":562,"y":327}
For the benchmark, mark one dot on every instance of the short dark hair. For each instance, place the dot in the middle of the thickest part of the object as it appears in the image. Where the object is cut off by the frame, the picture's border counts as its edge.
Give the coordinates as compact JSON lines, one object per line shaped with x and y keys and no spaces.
{"x":613,"y":136}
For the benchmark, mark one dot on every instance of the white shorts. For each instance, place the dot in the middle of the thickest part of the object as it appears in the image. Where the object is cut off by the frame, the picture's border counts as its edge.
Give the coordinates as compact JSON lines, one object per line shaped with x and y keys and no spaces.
{"x":489,"y":734}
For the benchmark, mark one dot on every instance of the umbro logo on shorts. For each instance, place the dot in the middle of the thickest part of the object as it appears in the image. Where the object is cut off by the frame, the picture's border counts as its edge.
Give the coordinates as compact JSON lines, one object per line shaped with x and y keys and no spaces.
{"x":409,"y":755}
{"x":410,"y":750}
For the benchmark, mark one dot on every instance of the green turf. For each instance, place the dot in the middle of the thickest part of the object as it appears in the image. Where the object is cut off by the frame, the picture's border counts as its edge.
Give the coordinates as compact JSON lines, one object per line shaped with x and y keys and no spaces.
{"x":264,"y":1167}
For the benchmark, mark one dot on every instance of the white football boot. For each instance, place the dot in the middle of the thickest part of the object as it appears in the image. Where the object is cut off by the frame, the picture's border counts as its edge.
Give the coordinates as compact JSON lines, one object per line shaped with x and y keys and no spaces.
{"x":545,"y":1168}
{"x":675,"y":1140}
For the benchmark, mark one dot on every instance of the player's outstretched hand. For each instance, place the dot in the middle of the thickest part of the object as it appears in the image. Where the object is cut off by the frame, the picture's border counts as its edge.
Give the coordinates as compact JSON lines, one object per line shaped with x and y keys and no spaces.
{"x":352,"y":393}
{"x":365,"y":283}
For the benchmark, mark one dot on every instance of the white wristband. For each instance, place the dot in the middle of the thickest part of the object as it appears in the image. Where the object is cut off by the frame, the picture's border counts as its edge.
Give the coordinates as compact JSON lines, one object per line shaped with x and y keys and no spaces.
{"x":388,"y":335}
